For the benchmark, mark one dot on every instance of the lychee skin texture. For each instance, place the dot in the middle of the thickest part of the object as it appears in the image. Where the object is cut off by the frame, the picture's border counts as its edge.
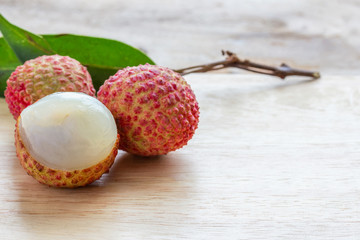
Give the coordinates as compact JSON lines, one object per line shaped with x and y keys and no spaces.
{"x":60,"y":178}
{"x":42,"y":76}
{"x":154,"y":108}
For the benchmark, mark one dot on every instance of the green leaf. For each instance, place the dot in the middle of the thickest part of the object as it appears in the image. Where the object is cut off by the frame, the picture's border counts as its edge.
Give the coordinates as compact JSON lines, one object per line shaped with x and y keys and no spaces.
{"x":8,"y":63}
{"x":102,"y":57}
{"x":26,"y":45}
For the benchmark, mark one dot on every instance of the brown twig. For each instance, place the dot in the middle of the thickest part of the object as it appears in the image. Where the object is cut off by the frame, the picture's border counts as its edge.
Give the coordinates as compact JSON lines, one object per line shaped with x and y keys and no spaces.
{"x":233,"y":61}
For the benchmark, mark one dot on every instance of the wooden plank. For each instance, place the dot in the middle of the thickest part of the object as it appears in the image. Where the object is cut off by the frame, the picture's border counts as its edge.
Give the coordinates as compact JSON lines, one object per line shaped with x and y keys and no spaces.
{"x":271,"y":159}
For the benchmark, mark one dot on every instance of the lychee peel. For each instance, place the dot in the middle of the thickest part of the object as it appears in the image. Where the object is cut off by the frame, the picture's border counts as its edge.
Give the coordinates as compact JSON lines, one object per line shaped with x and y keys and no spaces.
{"x":60,"y":178}
{"x":66,"y":139}
{"x":154,"y":108}
{"x":42,"y":76}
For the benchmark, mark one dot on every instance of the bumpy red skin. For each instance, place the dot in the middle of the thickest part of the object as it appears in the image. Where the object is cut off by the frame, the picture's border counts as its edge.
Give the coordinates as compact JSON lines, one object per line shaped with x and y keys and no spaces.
{"x":60,"y":178}
{"x":154,"y":107}
{"x":42,"y":76}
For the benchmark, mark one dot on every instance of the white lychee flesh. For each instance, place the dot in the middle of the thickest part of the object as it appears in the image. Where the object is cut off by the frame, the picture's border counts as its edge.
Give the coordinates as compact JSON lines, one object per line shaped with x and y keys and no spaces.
{"x":68,"y":131}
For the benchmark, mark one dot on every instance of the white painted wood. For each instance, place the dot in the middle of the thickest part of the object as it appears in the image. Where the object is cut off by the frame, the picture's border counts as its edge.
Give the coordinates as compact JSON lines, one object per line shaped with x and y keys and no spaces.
{"x":271,"y":159}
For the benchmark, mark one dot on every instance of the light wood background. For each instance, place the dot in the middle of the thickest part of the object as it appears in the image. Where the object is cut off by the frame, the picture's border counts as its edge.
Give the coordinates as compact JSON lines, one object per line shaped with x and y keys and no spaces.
{"x":316,"y":34}
{"x":271,"y":159}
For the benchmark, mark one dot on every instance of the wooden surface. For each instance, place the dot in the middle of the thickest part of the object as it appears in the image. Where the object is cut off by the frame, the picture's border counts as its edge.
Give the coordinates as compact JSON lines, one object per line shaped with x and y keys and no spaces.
{"x":321,"y":34}
{"x":271,"y":159}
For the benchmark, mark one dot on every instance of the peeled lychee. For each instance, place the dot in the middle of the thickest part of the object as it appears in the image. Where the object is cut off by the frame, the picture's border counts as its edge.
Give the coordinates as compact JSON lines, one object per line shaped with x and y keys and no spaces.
{"x":154,"y":108}
{"x":66,"y":139}
{"x":42,"y":76}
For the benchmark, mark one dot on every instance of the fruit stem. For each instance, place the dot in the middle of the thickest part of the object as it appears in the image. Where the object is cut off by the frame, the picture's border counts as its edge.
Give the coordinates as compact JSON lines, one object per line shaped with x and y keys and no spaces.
{"x":233,"y":61}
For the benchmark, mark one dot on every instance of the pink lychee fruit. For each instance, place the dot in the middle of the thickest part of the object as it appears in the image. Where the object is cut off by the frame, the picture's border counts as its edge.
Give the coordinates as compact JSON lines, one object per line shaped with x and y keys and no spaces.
{"x":42,"y":76}
{"x":154,"y":108}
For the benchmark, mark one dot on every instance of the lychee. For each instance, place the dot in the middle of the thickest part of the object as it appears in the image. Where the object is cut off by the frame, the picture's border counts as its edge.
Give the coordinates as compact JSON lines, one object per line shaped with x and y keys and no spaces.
{"x":66,"y":139}
{"x":154,"y":108}
{"x":42,"y":76}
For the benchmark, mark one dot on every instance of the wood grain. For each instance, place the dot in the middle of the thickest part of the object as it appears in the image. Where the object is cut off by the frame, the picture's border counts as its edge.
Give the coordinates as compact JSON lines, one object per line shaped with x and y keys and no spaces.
{"x":271,"y":159}
{"x":316,"y":35}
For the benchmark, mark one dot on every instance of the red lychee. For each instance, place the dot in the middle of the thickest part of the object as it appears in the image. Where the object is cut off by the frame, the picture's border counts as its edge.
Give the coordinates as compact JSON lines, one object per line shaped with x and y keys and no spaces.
{"x":154,"y":108}
{"x":42,"y":76}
